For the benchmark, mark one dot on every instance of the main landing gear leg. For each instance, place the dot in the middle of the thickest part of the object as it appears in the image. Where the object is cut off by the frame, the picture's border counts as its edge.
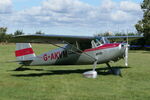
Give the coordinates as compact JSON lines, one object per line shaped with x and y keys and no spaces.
{"x":94,"y":65}
{"x":93,"y":73}
{"x":115,"y":71}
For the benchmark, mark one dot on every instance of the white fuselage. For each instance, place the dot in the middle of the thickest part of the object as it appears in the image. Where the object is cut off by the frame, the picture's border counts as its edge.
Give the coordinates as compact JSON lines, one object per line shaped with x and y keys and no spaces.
{"x":104,"y":53}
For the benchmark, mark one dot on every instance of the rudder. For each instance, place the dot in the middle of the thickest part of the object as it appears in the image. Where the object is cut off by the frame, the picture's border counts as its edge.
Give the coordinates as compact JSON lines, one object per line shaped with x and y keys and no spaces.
{"x":24,"y":52}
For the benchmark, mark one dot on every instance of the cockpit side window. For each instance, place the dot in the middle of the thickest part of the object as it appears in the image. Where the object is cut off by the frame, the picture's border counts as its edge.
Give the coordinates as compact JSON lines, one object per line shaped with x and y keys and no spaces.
{"x":106,"y":40}
{"x":98,"y":42}
{"x":101,"y":41}
{"x":95,"y":43}
{"x":84,"y":45}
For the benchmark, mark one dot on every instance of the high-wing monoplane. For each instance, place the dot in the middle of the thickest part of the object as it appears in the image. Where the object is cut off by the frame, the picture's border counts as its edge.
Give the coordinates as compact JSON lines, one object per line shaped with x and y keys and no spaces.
{"x":77,"y":50}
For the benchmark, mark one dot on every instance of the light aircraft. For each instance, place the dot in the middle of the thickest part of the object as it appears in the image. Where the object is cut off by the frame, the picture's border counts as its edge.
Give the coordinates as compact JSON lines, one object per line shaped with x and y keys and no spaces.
{"x":77,"y":50}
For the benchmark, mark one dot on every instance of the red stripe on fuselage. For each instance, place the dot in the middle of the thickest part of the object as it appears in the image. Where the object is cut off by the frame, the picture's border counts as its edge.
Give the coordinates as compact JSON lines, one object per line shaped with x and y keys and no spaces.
{"x":105,"y":46}
{"x":23,"y":52}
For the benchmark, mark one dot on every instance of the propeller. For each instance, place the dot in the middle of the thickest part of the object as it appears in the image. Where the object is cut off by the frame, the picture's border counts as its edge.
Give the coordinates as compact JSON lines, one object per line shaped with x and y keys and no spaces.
{"x":126,"y":52}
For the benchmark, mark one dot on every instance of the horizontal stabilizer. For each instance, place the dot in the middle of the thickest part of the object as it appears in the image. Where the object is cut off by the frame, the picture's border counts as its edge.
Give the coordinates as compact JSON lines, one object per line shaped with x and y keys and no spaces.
{"x":18,"y":61}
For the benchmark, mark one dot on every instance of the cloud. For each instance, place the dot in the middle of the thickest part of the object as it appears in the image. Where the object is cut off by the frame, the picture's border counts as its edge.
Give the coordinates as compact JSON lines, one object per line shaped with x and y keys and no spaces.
{"x":120,"y":16}
{"x":108,"y":5}
{"x":66,"y":11}
{"x":75,"y":13}
{"x":58,"y":12}
{"x":5,"y":6}
{"x":130,"y":6}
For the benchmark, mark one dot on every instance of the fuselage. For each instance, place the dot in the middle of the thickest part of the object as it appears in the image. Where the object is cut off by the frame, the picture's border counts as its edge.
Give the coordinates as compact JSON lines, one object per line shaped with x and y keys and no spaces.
{"x":70,"y":56}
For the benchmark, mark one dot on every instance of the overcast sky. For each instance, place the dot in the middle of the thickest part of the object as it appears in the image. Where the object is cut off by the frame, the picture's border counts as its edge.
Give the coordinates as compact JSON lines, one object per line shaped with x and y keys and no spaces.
{"x":71,"y":17}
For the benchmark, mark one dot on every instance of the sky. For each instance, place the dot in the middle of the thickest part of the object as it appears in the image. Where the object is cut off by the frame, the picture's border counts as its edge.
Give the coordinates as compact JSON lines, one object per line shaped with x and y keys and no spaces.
{"x":70,"y":17}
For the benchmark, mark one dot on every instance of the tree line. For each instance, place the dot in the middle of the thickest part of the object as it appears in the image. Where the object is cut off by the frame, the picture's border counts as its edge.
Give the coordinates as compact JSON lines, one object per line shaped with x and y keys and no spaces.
{"x":5,"y":38}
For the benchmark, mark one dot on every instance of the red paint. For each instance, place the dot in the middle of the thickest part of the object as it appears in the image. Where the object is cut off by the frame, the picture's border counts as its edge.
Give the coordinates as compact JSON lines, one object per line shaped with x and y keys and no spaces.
{"x":105,"y":46}
{"x":52,"y":56}
{"x":55,"y":55}
{"x":45,"y":57}
{"x":23,"y":52}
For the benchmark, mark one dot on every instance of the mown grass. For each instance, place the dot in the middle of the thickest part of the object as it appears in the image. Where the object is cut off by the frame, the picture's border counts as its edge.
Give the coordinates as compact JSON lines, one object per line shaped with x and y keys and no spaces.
{"x":67,"y":82}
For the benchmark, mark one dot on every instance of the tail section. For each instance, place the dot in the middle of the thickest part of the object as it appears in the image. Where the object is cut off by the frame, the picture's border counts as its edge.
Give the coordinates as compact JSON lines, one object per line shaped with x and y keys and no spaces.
{"x":24,"y":52}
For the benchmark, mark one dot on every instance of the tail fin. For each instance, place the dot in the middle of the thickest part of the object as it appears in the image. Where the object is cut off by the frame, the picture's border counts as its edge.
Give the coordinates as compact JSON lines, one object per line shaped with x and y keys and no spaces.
{"x":24,"y":52}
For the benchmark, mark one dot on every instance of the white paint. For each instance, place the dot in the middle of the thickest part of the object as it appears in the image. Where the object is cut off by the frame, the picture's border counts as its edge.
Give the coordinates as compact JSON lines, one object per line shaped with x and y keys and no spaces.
{"x":90,"y":74}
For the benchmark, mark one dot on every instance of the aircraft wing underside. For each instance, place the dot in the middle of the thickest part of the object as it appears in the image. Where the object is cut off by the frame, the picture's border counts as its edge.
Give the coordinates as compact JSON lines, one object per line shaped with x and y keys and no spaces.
{"x":122,"y":38}
{"x":61,"y":39}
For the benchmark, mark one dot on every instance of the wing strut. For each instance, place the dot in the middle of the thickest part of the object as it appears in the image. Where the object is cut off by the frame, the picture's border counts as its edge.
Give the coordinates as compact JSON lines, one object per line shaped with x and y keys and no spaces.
{"x":65,"y":48}
{"x":94,"y":59}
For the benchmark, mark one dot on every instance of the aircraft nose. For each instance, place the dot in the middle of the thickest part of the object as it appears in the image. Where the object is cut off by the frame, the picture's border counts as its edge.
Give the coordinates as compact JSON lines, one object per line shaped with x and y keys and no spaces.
{"x":122,"y":48}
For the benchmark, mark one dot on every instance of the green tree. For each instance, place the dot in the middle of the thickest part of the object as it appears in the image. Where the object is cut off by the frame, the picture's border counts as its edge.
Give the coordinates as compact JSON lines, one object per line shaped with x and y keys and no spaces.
{"x":120,"y":34}
{"x":8,"y":37}
{"x":39,"y":32}
{"x":104,"y":34}
{"x":143,"y":26}
{"x":19,"y":32}
{"x":3,"y":34}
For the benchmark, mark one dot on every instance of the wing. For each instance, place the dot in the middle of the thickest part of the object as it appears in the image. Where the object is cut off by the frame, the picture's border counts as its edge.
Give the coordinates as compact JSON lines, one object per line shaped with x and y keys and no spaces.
{"x":122,"y":38}
{"x":51,"y":39}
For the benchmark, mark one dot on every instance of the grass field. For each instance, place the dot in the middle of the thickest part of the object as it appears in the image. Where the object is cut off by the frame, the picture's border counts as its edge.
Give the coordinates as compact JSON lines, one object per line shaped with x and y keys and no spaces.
{"x":67,"y":82}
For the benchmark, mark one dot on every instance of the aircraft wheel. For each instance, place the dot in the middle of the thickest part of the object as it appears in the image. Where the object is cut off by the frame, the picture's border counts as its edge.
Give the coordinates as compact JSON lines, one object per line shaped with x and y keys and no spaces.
{"x":117,"y":71}
{"x":90,"y":74}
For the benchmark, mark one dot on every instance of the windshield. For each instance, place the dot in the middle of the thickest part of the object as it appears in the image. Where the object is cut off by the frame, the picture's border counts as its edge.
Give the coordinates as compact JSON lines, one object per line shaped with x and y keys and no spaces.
{"x":102,"y":40}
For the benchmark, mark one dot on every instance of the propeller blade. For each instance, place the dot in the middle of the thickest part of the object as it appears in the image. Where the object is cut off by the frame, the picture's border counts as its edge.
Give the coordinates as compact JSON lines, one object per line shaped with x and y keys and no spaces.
{"x":126,"y":52}
{"x":126,"y":55}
